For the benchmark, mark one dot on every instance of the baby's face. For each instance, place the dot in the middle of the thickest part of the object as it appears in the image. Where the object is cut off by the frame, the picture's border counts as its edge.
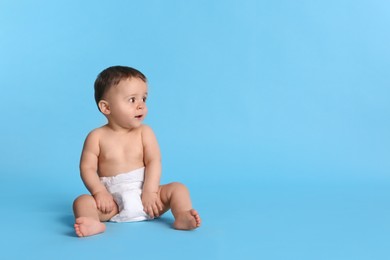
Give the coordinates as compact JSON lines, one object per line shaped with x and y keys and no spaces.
{"x":127,"y":103}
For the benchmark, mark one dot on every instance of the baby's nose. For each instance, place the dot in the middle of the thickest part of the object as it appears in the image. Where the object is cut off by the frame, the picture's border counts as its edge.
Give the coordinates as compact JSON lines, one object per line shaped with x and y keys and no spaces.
{"x":140,"y":105}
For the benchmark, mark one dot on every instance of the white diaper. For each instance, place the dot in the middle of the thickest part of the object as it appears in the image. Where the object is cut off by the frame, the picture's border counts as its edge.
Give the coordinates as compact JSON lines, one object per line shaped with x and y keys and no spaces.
{"x":126,"y":188}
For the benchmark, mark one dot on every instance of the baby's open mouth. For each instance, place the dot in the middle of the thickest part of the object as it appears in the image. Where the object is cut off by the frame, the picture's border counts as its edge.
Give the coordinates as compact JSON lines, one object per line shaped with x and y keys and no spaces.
{"x":139,"y":116}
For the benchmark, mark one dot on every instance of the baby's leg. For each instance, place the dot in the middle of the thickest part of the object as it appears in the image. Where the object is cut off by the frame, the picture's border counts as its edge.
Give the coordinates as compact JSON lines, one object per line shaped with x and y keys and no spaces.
{"x":88,"y":217}
{"x":177,"y":197}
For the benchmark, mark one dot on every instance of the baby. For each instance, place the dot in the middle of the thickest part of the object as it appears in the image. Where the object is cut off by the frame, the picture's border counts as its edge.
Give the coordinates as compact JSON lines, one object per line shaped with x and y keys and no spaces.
{"x":121,"y":163}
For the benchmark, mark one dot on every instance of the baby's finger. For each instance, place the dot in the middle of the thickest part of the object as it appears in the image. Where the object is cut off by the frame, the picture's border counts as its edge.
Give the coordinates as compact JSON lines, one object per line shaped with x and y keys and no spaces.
{"x":109,"y":207}
{"x":146,"y":210}
{"x":155,"y":210}
{"x":102,"y":207}
{"x":160,"y":205}
{"x":150,"y":212}
{"x":98,"y":205}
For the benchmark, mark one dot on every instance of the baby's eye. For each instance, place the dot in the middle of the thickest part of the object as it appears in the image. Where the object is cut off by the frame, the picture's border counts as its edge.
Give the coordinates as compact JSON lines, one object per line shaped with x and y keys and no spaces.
{"x":144,"y":99}
{"x":132,"y":100}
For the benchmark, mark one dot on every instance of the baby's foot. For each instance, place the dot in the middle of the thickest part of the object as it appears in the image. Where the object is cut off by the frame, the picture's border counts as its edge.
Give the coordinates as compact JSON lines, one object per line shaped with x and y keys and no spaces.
{"x":87,"y":227}
{"x":187,"y":220}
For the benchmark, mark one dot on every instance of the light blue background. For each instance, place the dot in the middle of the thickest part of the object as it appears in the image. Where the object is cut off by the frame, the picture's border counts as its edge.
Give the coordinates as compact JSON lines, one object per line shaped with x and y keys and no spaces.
{"x":274,"y":113}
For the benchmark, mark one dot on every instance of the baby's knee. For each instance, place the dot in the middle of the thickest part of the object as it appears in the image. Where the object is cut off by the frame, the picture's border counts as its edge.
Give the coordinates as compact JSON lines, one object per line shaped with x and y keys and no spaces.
{"x":84,"y":199}
{"x":178,"y":186}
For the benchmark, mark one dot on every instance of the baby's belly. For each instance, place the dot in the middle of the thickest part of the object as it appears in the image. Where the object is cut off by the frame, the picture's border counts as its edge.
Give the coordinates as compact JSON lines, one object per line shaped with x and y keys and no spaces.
{"x":109,"y":169}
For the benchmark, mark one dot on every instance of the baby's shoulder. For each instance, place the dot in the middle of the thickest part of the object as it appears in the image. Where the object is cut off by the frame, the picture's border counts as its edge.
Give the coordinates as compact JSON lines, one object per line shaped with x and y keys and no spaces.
{"x":146,"y":130}
{"x":144,"y":127}
{"x":97,"y":133}
{"x":147,"y":134}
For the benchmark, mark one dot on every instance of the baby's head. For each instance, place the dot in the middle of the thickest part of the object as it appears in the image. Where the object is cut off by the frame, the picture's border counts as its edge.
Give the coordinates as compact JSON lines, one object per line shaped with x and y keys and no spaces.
{"x":111,"y":77}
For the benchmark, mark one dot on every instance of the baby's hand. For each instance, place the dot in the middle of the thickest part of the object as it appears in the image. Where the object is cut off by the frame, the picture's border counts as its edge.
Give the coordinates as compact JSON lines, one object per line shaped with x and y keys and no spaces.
{"x":104,"y":201}
{"x":152,"y":204}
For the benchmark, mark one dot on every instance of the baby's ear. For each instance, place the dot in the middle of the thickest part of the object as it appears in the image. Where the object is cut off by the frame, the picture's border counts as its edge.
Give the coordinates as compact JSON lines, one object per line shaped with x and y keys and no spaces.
{"x":104,"y":107}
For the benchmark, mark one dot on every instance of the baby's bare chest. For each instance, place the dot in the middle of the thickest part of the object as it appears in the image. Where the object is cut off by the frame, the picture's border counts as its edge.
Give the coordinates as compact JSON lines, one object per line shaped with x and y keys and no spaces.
{"x":120,"y":149}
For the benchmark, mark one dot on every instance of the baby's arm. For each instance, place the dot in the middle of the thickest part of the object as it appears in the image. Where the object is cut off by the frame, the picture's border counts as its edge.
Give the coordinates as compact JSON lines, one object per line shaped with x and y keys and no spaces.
{"x":88,"y":170}
{"x":152,"y":159}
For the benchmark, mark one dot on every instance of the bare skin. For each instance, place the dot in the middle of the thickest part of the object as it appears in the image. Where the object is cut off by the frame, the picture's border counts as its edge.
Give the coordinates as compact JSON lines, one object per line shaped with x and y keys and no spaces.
{"x":125,"y":144}
{"x":187,"y":220}
{"x":174,"y":196}
{"x":87,"y":227}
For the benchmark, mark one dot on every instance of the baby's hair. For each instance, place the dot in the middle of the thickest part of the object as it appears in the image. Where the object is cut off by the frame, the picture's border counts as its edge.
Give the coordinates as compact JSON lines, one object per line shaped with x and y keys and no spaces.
{"x":111,"y":77}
